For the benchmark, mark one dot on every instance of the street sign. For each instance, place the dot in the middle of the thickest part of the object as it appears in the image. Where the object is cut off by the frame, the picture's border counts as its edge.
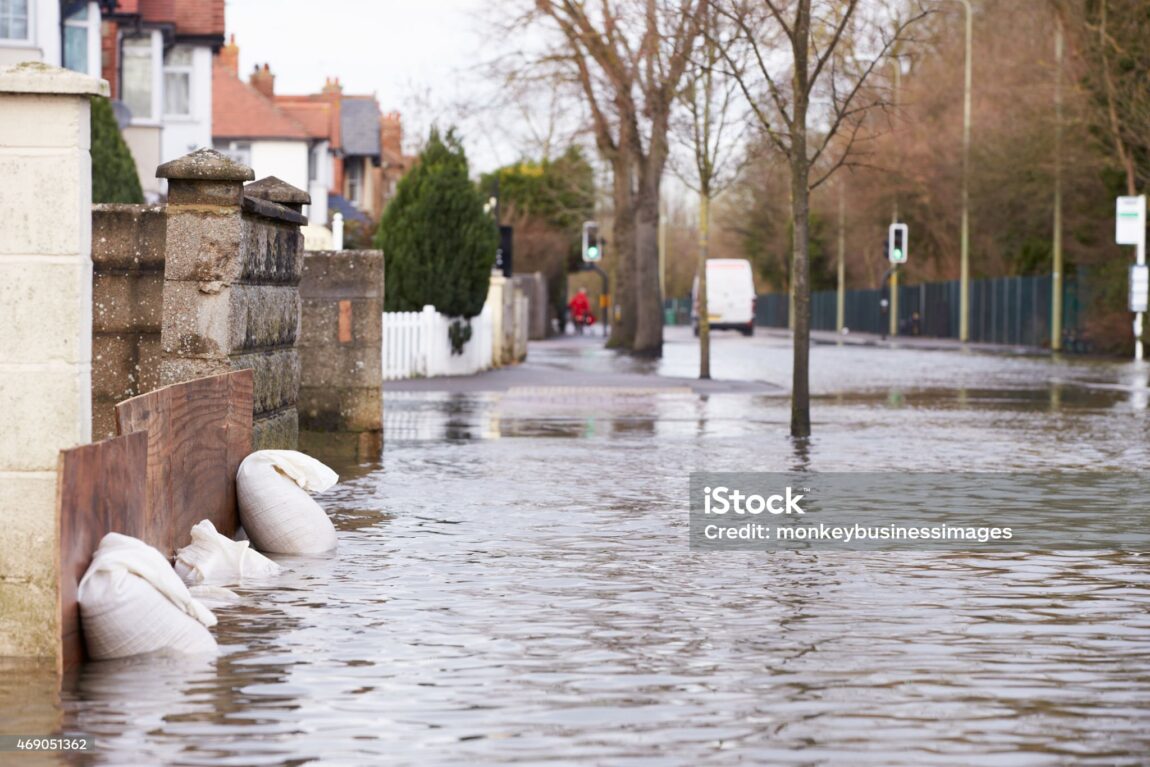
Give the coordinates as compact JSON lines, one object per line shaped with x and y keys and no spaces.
{"x":897,"y":238}
{"x":592,"y":249}
{"x":1139,"y":288}
{"x":1130,"y":221}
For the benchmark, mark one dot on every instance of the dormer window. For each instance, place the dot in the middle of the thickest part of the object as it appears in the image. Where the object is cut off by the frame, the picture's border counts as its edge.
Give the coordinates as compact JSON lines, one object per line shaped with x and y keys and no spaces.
{"x":139,"y":76}
{"x":178,"y":81}
{"x":14,"y":24}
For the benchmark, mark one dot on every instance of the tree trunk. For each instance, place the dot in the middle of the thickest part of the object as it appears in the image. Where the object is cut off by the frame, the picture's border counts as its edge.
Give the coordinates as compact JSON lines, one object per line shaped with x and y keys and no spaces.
{"x":623,"y":253}
{"x":801,"y":298}
{"x":704,"y":320}
{"x":800,"y":209}
{"x":648,"y":297}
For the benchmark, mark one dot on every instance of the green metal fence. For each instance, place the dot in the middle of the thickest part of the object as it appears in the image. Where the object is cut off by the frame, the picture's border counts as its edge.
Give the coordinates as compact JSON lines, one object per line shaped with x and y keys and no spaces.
{"x":1003,"y":310}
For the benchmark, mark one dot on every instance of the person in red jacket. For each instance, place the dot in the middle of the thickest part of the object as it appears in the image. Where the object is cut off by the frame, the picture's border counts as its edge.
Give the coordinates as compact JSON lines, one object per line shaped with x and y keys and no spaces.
{"x":580,"y":309}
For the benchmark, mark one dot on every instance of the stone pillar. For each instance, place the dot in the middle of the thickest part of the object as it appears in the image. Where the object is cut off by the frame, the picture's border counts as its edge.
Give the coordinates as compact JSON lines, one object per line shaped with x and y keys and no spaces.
{"x":45,"y":331}
{"x":231,"y":284}
{"x":341,"y":348}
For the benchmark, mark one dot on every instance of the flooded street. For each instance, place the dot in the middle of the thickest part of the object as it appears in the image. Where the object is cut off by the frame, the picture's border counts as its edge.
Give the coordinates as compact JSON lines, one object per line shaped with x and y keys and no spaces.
{"x":513,"y":585}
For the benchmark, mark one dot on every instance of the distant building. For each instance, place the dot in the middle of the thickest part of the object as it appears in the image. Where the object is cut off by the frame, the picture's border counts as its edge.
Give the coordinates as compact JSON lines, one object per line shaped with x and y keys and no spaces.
{"x":365,"y":147}
{"x":64,"y":34}
{"x":341,"y":148}
{"x":249,"y":127}
{"x":157,"y":58}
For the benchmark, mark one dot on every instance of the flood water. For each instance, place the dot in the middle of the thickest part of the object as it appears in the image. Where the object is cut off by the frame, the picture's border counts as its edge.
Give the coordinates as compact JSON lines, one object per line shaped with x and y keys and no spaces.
{"x":513,"y":586}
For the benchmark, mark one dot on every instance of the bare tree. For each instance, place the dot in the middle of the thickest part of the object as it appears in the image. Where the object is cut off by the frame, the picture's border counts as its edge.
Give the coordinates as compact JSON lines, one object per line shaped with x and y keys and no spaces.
{"x":627,"y":59}
{"x":1113,"y":34}
{"x":711,"y":134}
{"x":812,"y":104}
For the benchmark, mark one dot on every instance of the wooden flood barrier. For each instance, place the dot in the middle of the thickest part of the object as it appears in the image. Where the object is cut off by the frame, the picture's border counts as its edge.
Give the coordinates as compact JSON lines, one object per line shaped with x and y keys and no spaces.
{"x":198,"y":432}
{"x":173,"y":465}
{"x":101,"y":490}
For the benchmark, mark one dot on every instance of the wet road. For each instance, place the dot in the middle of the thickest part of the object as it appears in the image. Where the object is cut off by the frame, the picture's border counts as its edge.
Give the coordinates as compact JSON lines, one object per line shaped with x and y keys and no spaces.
{"x":513,"y":586}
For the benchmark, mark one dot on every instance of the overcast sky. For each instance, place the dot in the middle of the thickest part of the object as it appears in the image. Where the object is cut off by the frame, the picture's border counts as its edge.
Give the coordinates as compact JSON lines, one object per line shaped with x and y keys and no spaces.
{"x":419,"y":57}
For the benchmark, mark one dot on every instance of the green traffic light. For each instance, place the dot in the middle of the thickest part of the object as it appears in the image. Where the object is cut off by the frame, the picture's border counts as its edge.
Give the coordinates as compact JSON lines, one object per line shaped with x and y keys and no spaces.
{"x":592,"y":252}
{"x":897,"y":253}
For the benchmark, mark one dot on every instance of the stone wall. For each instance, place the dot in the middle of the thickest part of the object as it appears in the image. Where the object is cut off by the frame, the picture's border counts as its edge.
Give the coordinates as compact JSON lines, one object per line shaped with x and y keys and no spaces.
{"x":127,"y":306}
{"x":534,"y":287}
{"x":46,"y":336}
{"x":509,"y":321}
{"x":341,"y":392}
{"x":233,"y":260}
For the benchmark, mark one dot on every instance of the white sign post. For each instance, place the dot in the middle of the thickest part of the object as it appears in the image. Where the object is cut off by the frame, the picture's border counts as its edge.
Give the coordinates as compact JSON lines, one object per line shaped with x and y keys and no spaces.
{"x":1139,"y":288}
{"x":1130,"y":229}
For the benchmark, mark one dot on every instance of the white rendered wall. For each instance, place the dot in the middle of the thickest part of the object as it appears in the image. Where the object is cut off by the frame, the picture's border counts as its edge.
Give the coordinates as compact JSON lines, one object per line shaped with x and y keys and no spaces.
{"x":183,"y":135}
{"x":286,"y":160}
{"x":46,"y":343}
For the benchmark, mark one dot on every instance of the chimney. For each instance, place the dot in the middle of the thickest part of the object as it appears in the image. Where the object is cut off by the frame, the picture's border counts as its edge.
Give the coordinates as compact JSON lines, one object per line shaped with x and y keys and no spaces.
{"x":331,"y":85}
{"x":230,"y":57}
{"x":391,"y":133}
{"x":264,"y":81}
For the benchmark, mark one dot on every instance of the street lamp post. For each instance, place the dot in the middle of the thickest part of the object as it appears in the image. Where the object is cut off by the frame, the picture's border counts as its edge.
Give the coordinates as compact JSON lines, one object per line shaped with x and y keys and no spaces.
{"x":964,"y":268}
{"x":841,"y":288}
{"x":1056,"y":272}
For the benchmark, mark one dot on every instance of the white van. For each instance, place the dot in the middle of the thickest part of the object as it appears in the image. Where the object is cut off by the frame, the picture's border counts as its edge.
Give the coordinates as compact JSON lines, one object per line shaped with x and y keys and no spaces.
{"x":730,"y":296}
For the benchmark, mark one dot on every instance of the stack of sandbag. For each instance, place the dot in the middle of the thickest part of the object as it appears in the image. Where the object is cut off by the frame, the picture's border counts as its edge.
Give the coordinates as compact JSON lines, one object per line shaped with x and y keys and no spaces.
{"x":275,"y":509}
{"x":215,"y":559}
{"x":132,"y":602}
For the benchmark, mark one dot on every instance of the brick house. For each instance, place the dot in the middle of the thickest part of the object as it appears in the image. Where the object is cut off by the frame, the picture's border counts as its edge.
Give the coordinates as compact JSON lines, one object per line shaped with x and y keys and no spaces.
{"x":157,"y":58}
{"x":249,"y":127}
{"x":339,"y":147}
{"x":365,"y":147}
{"x":64,"y":34}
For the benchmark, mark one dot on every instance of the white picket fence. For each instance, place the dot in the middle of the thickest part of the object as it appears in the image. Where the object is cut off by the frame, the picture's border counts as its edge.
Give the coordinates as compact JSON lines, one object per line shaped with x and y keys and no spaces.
{"x":416,"y":345}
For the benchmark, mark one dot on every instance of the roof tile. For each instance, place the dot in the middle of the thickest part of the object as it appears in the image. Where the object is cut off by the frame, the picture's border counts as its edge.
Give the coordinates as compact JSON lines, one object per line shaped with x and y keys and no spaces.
{"x":240,"y":111}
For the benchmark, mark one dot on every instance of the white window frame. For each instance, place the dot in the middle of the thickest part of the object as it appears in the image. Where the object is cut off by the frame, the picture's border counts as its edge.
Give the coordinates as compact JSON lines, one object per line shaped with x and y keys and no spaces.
{"x":92,"y":25}
{"x":23,"y":42}
{"x":354,"y":195}
{"x":155,"y":118}
{"x":190,"y":70}
{"x":233,"y":151}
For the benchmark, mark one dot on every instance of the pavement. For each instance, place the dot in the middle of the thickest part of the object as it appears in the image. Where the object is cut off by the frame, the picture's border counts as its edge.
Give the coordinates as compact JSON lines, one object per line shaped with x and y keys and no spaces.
{"x":758,"y":365}
{"x":905,"y":342}
{"x":580,"y":362}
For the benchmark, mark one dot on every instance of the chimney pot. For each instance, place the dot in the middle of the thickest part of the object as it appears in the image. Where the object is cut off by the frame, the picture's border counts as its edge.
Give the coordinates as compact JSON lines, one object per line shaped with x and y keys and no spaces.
{"x":264,"y":81}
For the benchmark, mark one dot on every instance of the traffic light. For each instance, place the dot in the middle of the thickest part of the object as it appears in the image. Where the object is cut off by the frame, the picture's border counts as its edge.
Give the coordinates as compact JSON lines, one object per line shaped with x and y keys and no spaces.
{"x":592,"y":248}
{"x":503,"y":255}
{"x":897,"y":243}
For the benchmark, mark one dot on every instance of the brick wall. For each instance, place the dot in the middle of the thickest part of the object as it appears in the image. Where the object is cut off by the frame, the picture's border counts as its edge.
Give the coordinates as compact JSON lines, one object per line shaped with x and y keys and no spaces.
{"x":341,"y":392}
{"x":206,"y":284}
{"x":127,"y":290}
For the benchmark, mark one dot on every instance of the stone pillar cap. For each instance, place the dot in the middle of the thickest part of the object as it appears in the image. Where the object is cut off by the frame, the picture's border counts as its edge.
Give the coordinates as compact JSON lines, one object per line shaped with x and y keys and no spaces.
{"x":37,"y":77}
{"x":273,"y":189}
{"x":205,"y":165}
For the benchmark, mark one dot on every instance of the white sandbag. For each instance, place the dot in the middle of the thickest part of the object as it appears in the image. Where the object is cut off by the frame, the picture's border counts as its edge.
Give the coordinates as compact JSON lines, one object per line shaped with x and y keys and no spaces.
{"x":213,"y":558}
{"x":132,"y":602}
{"x":213,"y":597}
{"x":275,"y":508}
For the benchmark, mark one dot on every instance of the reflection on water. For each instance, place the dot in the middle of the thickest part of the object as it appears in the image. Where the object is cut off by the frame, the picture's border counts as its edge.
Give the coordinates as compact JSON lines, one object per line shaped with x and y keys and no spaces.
{"x":513,"y":585}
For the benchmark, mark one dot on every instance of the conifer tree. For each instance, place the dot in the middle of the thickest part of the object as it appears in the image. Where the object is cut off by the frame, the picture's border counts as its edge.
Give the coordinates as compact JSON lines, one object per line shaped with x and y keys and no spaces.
{"x":114,"y":177}
{"x":439,"y":245}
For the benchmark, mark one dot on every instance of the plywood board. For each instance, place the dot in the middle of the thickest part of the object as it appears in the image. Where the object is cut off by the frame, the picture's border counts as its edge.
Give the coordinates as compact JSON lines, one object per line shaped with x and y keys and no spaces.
{"x":101,"y":490}
{"x":198,"y":432}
